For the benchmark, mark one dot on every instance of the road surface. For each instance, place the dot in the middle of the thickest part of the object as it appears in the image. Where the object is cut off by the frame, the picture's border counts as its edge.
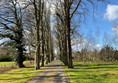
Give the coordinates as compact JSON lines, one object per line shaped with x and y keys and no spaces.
{"x":52,"y":74}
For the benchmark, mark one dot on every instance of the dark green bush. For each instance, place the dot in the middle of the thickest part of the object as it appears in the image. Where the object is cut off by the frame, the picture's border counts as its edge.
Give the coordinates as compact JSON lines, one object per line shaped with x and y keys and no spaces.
{"x":28,"y":58}
{"x":6,"y":58}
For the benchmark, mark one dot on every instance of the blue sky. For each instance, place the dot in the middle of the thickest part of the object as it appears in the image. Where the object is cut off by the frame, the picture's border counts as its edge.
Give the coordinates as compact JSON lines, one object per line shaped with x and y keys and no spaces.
{"x":105,"y":16}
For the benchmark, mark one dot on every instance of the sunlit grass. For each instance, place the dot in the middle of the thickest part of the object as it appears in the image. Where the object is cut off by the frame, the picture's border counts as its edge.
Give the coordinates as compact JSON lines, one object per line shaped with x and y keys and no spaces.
{"x":19,"y":75}
{"x":7,"y":64}
{"x":93,"y":72}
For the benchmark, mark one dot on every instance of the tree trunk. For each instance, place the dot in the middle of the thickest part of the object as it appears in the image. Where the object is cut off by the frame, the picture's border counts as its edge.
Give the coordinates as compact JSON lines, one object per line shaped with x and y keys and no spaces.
{"x":37,"y":58}
{"x":47,"y":59}
{"x":42,"y":48}
{"x":67,"y":25}
{"x":37,"y":52}
{"x":42,"y":61}
{"x":48,"y":49}
{"x":42,"y":32}
{"x":69,"y":53}
{"x":52,"y":55}
{"x":30,"y":55}
{"x":20,"y":65}
{"x":65,"y":54}
{"x":20,"y":57}
{"x":37,"y":23}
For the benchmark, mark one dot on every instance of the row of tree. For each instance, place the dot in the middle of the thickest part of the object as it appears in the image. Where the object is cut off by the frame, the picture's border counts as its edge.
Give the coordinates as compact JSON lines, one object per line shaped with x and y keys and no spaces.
{"x":28,"y":22}
{"x":69,"y":16}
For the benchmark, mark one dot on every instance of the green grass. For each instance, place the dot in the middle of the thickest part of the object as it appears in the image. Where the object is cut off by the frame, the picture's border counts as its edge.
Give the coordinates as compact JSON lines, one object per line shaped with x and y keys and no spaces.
{"x":7,"y":64}
{"x":19,"y":75}
{"x":93,"y":72}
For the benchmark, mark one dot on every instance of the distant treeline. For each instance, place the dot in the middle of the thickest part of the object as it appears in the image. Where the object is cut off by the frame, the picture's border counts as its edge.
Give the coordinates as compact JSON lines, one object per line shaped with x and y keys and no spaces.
{"x":105,"y":54}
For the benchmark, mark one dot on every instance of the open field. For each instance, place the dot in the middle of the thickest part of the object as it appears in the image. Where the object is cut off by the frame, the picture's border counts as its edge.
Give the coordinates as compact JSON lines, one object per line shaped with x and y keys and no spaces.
{"x":19,"y":75}
{"x":7,"y":64}
{"x":93,"y":72}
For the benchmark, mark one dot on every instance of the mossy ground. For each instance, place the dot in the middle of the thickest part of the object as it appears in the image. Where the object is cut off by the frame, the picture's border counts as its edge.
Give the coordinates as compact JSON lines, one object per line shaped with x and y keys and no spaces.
{"x":20,"y":75}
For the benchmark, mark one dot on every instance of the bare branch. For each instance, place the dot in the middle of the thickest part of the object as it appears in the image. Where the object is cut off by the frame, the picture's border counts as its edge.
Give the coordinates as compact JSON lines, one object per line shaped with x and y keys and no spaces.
{"x":59,"y":17}
{"x":71,"y":3}
{"x":7,"y":20}
{"x":75,"y":9}
{"x":6,"y":27}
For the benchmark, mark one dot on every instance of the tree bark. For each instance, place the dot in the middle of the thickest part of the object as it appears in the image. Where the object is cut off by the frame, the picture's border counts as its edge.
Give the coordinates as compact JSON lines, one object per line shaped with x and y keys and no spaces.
{"x":42,"y":30}
{"x":67,"y":25}
{"x":69,"y":53}
{"x":37,"y":23}
{"x":20,"y":57}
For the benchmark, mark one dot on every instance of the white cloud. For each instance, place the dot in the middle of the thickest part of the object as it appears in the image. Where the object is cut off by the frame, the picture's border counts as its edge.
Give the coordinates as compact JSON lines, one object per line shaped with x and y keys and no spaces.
{"x":111,"y":12}
{"x":78,"y":44}
{"x":97,"y":45}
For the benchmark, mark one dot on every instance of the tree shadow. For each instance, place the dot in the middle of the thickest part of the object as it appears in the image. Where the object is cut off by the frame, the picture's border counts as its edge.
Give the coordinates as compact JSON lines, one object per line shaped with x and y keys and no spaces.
{"x":16,"y":78}
{"x":57,"y":78}
{"x":96,"y":66}
{"x":89,"y":72}
{"x":90,"y":78}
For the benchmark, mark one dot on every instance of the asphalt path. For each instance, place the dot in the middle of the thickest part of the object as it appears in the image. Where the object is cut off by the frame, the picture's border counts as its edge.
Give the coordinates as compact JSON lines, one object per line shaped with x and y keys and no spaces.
{"x":52,"y":74}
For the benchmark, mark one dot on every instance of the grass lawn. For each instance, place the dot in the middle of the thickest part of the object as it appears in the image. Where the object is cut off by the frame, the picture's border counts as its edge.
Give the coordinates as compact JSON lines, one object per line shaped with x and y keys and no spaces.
{"x":93,"y":72}
{"x":19,"y":75}
{"x":7,"y":64}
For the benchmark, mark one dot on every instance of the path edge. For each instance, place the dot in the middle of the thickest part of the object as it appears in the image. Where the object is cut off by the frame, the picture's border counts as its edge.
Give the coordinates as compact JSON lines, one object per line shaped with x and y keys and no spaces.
{"x":67,"y":76}
{"x":39,"y":72}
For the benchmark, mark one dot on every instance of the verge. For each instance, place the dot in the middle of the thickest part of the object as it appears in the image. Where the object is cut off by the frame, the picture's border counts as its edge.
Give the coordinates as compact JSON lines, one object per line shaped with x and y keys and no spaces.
{"x":67,"y":76}
{"x":39,"y":72}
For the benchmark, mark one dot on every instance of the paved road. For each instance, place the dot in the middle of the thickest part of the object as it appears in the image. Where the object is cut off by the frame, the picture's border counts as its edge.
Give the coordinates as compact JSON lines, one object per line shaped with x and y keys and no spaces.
{"x":52,"y":74}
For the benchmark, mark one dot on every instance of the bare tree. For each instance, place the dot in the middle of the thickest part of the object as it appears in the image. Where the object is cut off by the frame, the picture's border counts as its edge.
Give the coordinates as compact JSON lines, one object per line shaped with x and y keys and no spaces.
{"x":70,"y":9}
{"x":11,"y":24}
{"x":115,"y":28}
{"x":37,"y":10}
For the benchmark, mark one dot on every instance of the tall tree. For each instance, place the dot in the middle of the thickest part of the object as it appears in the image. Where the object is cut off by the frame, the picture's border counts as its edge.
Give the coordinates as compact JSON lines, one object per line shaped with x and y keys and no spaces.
{"x":11,"y":25}
{"x":115,"y":28}
{"x":37,"y":11}
{"x":42,"y":32}
{"x":70,"y":9}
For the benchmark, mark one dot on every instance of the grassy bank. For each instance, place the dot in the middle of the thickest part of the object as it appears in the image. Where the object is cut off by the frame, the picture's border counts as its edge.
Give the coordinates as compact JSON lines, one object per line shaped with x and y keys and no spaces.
{"x":19,"y":75}
{"x":93,"y":72}
{"x":7,"y":64}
